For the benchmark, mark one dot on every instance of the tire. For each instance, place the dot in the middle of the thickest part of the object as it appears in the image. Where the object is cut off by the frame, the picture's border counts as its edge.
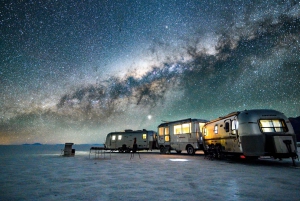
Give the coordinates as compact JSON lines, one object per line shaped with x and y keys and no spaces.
{"x":161,"y":150}
{"x":190,"y":150}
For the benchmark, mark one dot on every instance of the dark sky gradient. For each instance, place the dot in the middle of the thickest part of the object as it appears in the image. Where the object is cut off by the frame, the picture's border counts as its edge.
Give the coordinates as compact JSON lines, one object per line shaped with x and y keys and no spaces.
{"x":76,"y":70}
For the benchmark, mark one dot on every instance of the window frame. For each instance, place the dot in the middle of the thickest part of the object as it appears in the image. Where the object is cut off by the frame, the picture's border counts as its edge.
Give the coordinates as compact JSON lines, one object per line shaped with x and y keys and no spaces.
{"x":119,"y":137}
{"x":161,"y":131}
{"x":216,"y":129}
{"x":182,"y":128}
{"x":282,"y":129}
{"x":144,"y":136}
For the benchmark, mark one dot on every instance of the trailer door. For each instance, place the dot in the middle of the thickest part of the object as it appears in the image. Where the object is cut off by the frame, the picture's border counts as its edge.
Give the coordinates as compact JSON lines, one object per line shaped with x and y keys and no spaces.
{"x":113,"y":141}
{"x":163,"y":135}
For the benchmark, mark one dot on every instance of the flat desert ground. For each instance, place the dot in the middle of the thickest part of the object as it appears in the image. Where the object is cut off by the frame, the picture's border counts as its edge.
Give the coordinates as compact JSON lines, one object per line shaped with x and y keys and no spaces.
{"x":41,"y":173}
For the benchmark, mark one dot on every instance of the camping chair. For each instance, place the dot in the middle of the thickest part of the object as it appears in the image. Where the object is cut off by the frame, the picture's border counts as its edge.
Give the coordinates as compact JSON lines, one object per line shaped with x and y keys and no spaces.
{"x":134,"y":150}
{"x":68,"y":151}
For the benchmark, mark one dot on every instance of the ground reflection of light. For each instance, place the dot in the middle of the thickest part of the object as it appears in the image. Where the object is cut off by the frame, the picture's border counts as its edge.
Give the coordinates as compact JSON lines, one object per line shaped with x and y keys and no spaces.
{"x":177,"y":159}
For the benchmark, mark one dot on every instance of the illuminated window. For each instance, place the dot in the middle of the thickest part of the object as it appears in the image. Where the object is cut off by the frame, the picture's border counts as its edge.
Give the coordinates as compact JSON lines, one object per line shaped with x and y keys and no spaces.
{"x":113,"y":137}
{"x":161,"y":131}
{"x":144,"y":136}
{"x":216,"y":129}
{"x":182,"y":128}
{"x":272,"y":125}
{"x":177,"y":129}
{"x":201,"y":126}
{"x":119,"y":137}
{"x":234,"y":125}
{"x":186,"y":128}
{"x":167,"y":131}
{"x":167,"y":138}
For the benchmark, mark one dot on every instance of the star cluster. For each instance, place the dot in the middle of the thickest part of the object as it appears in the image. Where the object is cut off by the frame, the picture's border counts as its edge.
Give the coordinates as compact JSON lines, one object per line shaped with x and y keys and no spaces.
{"x":76,"y":70}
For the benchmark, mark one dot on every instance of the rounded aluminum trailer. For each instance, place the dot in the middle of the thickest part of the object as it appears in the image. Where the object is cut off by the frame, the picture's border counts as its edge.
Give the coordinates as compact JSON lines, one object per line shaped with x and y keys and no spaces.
{"x":123,"y":141}
{"x":251,"y":133}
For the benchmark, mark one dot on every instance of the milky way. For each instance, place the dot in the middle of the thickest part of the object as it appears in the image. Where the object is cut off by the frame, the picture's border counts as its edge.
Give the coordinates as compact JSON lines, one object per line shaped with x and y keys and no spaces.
{"x":74,"y":71}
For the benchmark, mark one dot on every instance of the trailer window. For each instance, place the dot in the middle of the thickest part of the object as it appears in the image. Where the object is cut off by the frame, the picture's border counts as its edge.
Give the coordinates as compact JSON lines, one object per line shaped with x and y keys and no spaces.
{"x":186,"y":128}
{"x":113,"y":137}
{"x":119,"y":137}
{"x":167,"y":138}
{"x":182,"y":128}
{"x":166,"y":130}
{"x":177,"y":129}
{"x":144,"y":136}
{"x":272,"y":125}
{"x":216,"y":129}
{"x":234,"y":126}
{"x":201,"y":126}
{"x":161,"y":130}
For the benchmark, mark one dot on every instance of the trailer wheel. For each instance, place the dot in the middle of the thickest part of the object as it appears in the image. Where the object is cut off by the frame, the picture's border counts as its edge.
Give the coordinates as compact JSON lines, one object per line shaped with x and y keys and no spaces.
{"x":190,"y":150}
{"x":161,"y":149}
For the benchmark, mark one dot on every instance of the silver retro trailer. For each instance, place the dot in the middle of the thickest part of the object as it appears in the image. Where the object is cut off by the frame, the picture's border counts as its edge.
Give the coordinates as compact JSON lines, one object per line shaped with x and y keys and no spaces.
{"x":251,"y":134}
{"x":123,"y":141}
{"x":181,"y":135}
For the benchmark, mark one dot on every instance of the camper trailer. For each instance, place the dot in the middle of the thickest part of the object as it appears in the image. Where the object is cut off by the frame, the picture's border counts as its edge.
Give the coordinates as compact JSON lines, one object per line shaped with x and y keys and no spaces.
{"x":250,"y":134}
{"x":123,"y":141}
{"x":181,"y":135}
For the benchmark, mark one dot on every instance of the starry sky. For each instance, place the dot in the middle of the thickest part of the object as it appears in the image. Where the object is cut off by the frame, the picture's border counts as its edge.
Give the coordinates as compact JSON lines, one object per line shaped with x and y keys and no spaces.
{"x":73,"y":71}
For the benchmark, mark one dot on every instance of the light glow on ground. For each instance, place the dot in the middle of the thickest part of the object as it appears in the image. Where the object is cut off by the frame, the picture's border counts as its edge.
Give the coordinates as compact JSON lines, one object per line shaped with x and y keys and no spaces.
{"x":178,"y":159}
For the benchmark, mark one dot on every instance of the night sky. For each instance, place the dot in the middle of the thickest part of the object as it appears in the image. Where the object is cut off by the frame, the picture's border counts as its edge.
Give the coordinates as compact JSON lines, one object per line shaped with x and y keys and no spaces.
{"x":73,"y":71}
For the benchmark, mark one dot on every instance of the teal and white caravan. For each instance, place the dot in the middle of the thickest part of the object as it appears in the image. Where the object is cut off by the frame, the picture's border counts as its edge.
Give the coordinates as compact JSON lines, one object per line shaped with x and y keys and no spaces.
{"x":123,"y":141}
{"x":185,"y":134}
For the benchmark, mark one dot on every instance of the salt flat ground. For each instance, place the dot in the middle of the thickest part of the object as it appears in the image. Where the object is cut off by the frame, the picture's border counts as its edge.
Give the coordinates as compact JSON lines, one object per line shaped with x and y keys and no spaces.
{"x":40,"y":173}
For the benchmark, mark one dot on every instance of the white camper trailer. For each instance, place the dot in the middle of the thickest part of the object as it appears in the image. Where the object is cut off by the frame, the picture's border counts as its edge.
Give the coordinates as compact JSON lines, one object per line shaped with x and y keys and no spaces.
{"x":181,"y":135}
{"x":123,"y":141}
{"x":251,"y":133}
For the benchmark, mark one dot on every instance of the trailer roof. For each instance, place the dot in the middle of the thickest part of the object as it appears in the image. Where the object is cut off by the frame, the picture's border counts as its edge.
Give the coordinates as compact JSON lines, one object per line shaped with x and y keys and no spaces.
{"x":223,"y":117}
{"x":243,"y":111}
{"x":182,"y":120}
{"x":130,"y":131}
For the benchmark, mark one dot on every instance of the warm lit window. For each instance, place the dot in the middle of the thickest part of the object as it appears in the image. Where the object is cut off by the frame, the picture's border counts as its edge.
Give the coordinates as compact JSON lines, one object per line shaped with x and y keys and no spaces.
{"x":177,"y":129}
{"x":186,"y":128}
{"x":216,"y":129}
{"x":144,"y":136}
{"x":201,"y":126}
{"x":167,"y":138}
{"x":182,"y":128}
{"x":272,"y":125}
{"x":119,"y":137}
{"x":113,"y":137}
{"x":167,"y":131}
{"x":161,"y":131}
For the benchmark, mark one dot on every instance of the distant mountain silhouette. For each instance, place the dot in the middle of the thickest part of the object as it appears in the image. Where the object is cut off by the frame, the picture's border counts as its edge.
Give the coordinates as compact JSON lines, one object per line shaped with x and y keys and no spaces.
{"x":37,"y":143}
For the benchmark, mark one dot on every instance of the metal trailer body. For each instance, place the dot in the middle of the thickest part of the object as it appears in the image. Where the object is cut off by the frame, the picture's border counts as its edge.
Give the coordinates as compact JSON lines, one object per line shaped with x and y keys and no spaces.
{"x":123,"y":141}
{"x":181,"y":135}
{"x":251,"y":134}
